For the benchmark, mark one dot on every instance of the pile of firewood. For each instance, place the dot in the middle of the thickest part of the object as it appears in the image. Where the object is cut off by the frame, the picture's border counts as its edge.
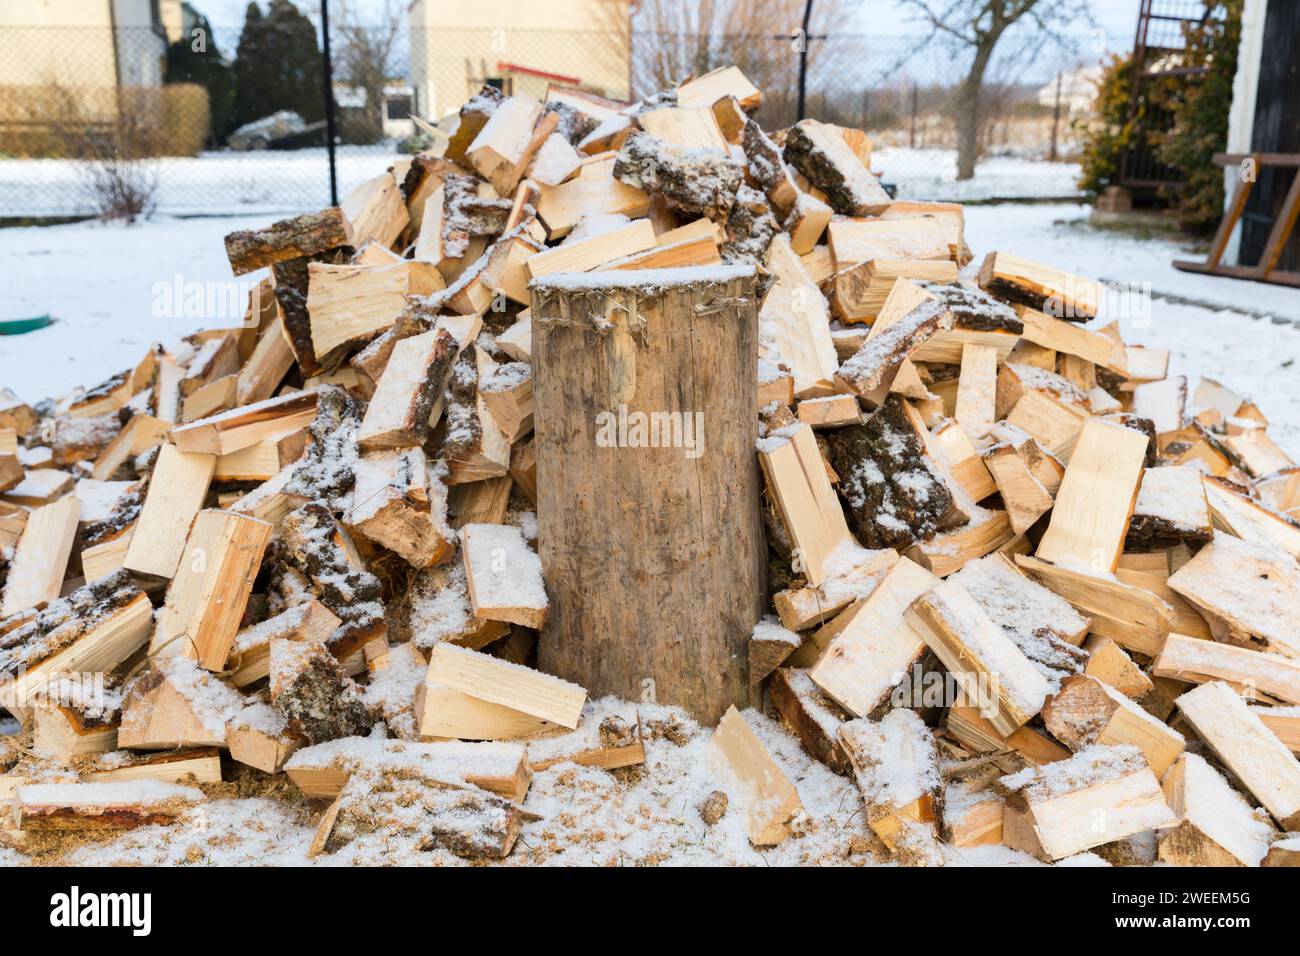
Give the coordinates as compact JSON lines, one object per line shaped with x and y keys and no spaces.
{"x":973,"y":550}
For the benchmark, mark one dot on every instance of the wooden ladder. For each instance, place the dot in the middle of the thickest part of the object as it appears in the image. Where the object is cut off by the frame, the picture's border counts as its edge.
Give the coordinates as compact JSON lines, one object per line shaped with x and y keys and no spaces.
{"x":1265,"y":270}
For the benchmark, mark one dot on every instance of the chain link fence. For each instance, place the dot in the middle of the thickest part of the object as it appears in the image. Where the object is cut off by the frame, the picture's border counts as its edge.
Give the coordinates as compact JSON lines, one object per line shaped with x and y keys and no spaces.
{"x":210,"y":132}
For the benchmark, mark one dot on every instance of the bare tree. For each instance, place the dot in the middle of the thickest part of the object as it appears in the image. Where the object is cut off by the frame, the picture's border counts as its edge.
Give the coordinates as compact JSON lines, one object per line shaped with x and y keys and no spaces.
{"x":114,"y":146}
{"x":675,"y":39}
{"x":366,"y":56}
{"x":977,"y":27}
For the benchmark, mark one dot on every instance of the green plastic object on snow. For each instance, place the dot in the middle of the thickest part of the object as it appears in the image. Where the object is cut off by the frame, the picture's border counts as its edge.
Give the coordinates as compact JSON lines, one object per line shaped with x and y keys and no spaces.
{"x":19,"y":326}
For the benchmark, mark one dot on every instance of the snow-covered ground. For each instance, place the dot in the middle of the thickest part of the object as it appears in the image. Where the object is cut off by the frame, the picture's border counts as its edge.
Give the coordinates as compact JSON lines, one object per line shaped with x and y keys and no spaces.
{"x":224,"y":183}
{"x":282,"y":183}
{"x":932,"y":174}
{"x":102,"y":282}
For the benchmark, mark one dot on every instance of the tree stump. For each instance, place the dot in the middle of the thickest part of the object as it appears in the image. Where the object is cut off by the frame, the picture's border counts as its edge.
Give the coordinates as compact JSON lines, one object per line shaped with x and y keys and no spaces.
{"x":649,"y":522}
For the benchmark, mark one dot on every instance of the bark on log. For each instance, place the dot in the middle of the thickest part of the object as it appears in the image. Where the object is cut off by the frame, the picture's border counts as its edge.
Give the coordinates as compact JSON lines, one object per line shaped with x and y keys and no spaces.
{"x":652,"y":556}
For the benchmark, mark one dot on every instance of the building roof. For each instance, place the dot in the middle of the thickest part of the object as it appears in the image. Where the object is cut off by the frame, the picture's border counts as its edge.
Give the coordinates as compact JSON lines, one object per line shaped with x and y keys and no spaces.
{"x":566,"y":78}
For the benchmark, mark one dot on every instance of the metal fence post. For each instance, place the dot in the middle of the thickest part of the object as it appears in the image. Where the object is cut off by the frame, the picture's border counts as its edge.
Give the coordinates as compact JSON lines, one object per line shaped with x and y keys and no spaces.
{"x":327,"y":80}
{"x":803,"y":58}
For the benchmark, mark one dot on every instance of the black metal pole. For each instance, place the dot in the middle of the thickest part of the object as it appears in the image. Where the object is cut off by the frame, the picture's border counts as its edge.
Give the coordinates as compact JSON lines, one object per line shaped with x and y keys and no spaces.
{"x":803,"y":57}
{"x":328,"y":82}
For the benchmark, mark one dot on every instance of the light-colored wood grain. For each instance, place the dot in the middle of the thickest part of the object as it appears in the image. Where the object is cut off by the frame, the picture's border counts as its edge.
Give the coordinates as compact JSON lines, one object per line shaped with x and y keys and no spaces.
{"x":206,"y":599}
{"x":1246,"y":747}
{"x":1095,"y":501}
{"x":41,"y":557}
{"x":176,"y":491}
{"x":772,"y":801}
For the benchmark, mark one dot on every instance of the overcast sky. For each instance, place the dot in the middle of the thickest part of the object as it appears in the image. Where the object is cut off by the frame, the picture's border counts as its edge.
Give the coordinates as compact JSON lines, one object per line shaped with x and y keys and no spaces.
{"x":1111,"y":31}
{"x":1117,"y":17}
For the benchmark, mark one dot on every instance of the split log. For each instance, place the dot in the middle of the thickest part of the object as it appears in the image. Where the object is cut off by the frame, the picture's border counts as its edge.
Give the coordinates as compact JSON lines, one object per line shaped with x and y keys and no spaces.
{"x":92,"y":630}
{"x":1099,"y":795}
{"x":1131,"y":616}
{"x":896,"y":766}
{"x":1090,"y":519}
{"x":316,"y":546}
{"x":971,"y":817}
{"x":696,"y":183}
{"x":40,"y":558}
{"x":64,"y":733}
{"x":504,"y":146}
{"x":176,"y":704}
{"x":309,"y":687}
{"x":1216,"y":827}
{"x":305,"y":235}
{"x":871,"y":370}
{"x":770,"y":799}
{"x":247,"y":425}
{"x":206,"y":599}
{"x":1024,"y":496}
{"x":399,"y":504}
{"x":1054,"y":292}
{"x":793,"y":329}
{"x":466,"y":821}
{"x":819,"y":152}
{"x":1043,"y":625}
{"x":250,"y":656}
{"x":508,"y":394}
{"x":321,"y":771}
{"x":869,"y":648}
{"x":996,"y":672}
{"x":1234,"y":512}
{"x":473,"y":447}
{"x":413,"y":379}
{"x":813,"y":717}
{"x":892,"y":490}
{"x":195,"y":765}
{"x":595,"y":191}
{"x":769,"y":646}
{"x":474,"y":696}
{"x":1109,"y":663}
{"x":504,"y":575}
{"x":1250,"y":673}
{"x":1246,"y":747}
{"x":1251,"y":592}
{"x":100,"y":806}
{"x":610,"y":369}
{"x":1085,"y":712}
{"x":349,"y":303}
{"x":861,"y":240}
{"x":977,"y":390}
{"x":797,"y":483}
{"x":708,"y":88}
{"x":375,"y":211}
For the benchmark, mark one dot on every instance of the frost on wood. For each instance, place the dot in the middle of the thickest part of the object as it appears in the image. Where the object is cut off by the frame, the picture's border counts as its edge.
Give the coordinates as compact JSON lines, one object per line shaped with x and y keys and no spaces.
{"x":750,"y":228}
{"x":697,"y":182}
{"x":1040,"y":622}
{"x":309,"y":687}
{"x":309,"y":544}
{"x":291,"y":281}
{"x":873,"y":366}
{"x":819,"y":152}
{"x":327,"y":470}
{"x":467,"y":216}
{"x":893,"y":494}
{"x":63,"y":622}
{"x":425,"y":814}
{"x":974,"y":308}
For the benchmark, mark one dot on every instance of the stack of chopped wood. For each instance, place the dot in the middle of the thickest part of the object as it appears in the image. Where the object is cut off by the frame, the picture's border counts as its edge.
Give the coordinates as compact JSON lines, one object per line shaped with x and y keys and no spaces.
{"x":1020,"y":584}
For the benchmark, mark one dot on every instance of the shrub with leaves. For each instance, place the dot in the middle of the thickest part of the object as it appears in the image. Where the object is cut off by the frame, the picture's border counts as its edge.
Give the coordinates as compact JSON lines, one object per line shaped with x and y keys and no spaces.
{"x":1183,"y":117}
{"x":1200,"y":106}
